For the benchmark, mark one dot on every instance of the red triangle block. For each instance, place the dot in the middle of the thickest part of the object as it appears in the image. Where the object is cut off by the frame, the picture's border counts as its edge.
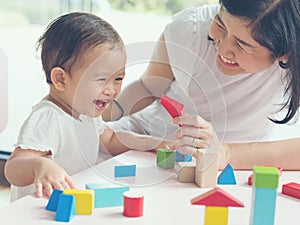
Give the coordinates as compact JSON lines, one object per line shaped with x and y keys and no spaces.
{"x":173,"y":107}
{"x":217,"y":197}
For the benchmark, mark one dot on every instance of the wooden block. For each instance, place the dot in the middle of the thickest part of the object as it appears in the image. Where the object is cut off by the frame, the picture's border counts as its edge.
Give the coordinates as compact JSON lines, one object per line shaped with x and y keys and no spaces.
{"x":206,"y":171}
{"x":227,"y":176}
{"x":291,"y":189}
{"x":125,"y":171}
{"x":263,"y":206}
{"x":265,"y":177}
{"x":133,"y":204}
{"x":217,"y":197}
{"x":186,"y":173}
{"x":107,"y":195}
{"x":251,"y":176}
{"x":173,"y":107}
{"x":84,"y":200}
{"x":65,"y":208}
{"x":215,"y":215}
{"x":182,"y":157}
{"x":165,"y":158}
{"x":53,"y":200}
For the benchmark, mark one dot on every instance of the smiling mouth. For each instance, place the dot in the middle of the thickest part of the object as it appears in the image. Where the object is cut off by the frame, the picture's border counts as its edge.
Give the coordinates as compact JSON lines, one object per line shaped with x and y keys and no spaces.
{"x":227,"y":61}
{"x":100,"y":104}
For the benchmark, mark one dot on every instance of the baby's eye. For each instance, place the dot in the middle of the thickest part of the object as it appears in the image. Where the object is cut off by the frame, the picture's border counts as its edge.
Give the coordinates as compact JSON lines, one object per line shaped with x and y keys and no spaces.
{"x":119,"y":78}
{"x":101,"y":79}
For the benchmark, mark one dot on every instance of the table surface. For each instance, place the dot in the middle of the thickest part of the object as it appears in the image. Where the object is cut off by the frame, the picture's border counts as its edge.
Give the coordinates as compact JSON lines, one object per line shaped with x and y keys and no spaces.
{"x":166,"y":200}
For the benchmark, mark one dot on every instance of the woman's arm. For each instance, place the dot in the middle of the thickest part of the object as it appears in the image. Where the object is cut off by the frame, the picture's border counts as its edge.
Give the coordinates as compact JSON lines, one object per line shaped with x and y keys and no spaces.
{"x":152,"y":84}
{"x":281,"y":153}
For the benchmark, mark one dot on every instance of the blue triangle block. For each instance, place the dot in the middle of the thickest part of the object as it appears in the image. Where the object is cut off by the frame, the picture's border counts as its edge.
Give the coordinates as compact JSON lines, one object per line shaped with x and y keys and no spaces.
{"x":53,"y":200}
{"x":182,"y":157}
{"x":65,"y":208}
{"x":227,"y":176}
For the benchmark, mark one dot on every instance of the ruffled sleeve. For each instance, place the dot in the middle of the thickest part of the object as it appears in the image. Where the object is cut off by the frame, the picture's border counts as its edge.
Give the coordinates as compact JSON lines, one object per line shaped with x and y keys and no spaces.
{"x":40,"y":131}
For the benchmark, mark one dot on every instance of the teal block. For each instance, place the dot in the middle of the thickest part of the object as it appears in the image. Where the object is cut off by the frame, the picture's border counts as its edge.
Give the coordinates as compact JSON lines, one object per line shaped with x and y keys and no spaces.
{"x":125,"y":171}
{"x":263,"y":206}
{"x":65,"y":208}
{"x":107,"y":195}
{"x":227,"y":176}
{"x":165,"y":158}
{"x":53,"y":200}
{"x":182,"y":157}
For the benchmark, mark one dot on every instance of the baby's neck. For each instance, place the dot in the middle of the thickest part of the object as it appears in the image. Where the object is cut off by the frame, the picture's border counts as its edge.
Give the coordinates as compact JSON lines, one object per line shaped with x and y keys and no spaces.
{"x":63,"y":105}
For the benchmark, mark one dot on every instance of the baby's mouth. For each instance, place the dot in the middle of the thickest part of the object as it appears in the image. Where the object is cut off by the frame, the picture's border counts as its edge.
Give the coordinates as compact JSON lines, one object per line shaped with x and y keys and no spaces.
{"x":100,"y":104}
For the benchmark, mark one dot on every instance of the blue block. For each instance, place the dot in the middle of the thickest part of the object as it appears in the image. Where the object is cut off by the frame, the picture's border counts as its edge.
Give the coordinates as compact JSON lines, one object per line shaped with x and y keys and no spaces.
{"x":53,"y":200}
{"x":182,"y":157}
{"x":125,"y":171}
{"x":227,"y":176}
{"x":107,"y":195}
{"x":263,"y":206}
{"x":65,"y":208}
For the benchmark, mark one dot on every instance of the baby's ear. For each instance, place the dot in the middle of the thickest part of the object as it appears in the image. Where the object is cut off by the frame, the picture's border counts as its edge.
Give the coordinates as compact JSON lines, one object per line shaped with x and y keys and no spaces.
{"x":58,"y":78}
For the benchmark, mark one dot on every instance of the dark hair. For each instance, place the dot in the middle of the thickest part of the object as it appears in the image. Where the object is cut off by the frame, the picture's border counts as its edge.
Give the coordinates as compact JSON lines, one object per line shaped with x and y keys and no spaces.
{"x":67,"y":38}
{"x":275,"y":25}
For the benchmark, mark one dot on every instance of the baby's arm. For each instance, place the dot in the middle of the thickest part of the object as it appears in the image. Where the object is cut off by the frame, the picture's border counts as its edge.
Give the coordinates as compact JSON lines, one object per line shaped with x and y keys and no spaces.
{"x":26,"y":166}
{"x":117,"y":142}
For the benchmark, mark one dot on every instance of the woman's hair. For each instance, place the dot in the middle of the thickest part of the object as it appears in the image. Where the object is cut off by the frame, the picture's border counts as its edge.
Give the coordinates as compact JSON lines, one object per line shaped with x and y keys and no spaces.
{"x":68,"y":37}
{"x":275,"y":24}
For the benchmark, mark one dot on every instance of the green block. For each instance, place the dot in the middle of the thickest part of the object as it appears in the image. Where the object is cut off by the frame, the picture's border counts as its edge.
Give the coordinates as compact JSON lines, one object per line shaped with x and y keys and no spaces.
{"x":265,"y":177}
{"x":165,"y":158}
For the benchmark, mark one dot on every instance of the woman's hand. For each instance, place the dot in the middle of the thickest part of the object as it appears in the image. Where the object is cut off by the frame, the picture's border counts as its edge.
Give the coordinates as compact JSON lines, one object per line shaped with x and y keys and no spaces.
{"x":49,"y":176}
{"x":194,"y":133}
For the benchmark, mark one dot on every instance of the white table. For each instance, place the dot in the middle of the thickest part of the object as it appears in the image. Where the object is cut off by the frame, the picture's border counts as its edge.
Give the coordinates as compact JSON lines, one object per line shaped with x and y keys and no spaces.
{"x":166,"y":201}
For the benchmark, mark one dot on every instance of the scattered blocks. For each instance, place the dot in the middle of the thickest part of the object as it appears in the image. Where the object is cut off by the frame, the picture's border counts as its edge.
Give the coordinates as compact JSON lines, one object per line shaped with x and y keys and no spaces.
{"x":84,"y":200}
{"x":165,"y":158}
{"x":217,"y":202}
{"x":182,"y":157}
{"x":65,"y":208}
{"x":291,"y":189}
{"x":53,"y":200}
{"x":173,"y":107}
{"x":186,"y":173}
{"x":265,"y":182}
{"x":125,"y":171}
{"x":227,"y":176}
{"x":107,"y":195}
{"x":133,"y":204}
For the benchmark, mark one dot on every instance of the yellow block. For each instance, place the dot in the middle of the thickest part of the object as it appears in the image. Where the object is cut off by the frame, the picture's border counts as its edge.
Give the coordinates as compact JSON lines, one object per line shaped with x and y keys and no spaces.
{"x":215,"y":215}
{"x":84,"y":200}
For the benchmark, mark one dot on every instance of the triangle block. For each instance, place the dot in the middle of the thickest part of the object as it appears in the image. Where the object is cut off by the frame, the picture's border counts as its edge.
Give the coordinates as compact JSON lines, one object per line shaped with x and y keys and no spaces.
{"x":217,"y":197}
{"x":53,"y":200}
{"x":227,"y":176}
{"x":65,"y":208}
{"x":173,"y":107}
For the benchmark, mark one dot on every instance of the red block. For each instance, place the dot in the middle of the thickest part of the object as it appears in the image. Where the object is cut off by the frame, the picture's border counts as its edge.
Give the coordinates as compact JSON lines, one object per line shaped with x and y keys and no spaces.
{"x":173,"y":107}
{"x":291,"y":189}
{"x":133,"y":204}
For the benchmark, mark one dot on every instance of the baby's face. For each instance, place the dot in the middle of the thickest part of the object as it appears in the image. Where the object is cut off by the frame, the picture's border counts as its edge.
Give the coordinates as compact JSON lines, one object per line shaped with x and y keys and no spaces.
{"x":97,"y":80}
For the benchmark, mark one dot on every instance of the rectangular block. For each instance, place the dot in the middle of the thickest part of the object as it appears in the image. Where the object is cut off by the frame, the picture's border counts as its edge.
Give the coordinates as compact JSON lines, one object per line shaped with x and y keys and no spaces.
{"x":165,"y":158}
{"x":263,"y":206}
{"x":84,"y":200}
{"x":107,"y":195}
{"x":125,"y":171}
{"x":291,"y":189}
{"x":186,"y":173}
{"x":215,"y":215}
{"x":265,"y":177}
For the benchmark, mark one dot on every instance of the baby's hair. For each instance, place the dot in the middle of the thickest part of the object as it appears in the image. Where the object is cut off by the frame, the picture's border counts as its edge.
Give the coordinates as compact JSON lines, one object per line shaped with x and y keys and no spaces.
{"x":66,"y":39}
{"x":275,"y":24}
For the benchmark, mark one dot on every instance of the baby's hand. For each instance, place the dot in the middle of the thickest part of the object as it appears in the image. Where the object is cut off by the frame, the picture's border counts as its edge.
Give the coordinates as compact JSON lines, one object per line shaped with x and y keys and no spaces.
{"x":49,"y":176}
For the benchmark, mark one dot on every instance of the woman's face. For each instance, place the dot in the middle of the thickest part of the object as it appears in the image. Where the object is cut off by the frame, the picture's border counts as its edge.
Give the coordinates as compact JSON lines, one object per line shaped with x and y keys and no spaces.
{"x":237,"y":51}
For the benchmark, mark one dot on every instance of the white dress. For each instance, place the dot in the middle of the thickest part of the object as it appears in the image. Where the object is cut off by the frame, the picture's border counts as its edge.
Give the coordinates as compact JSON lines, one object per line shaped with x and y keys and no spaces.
{"x":74,"y":144}
{"x":237,"y":106}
